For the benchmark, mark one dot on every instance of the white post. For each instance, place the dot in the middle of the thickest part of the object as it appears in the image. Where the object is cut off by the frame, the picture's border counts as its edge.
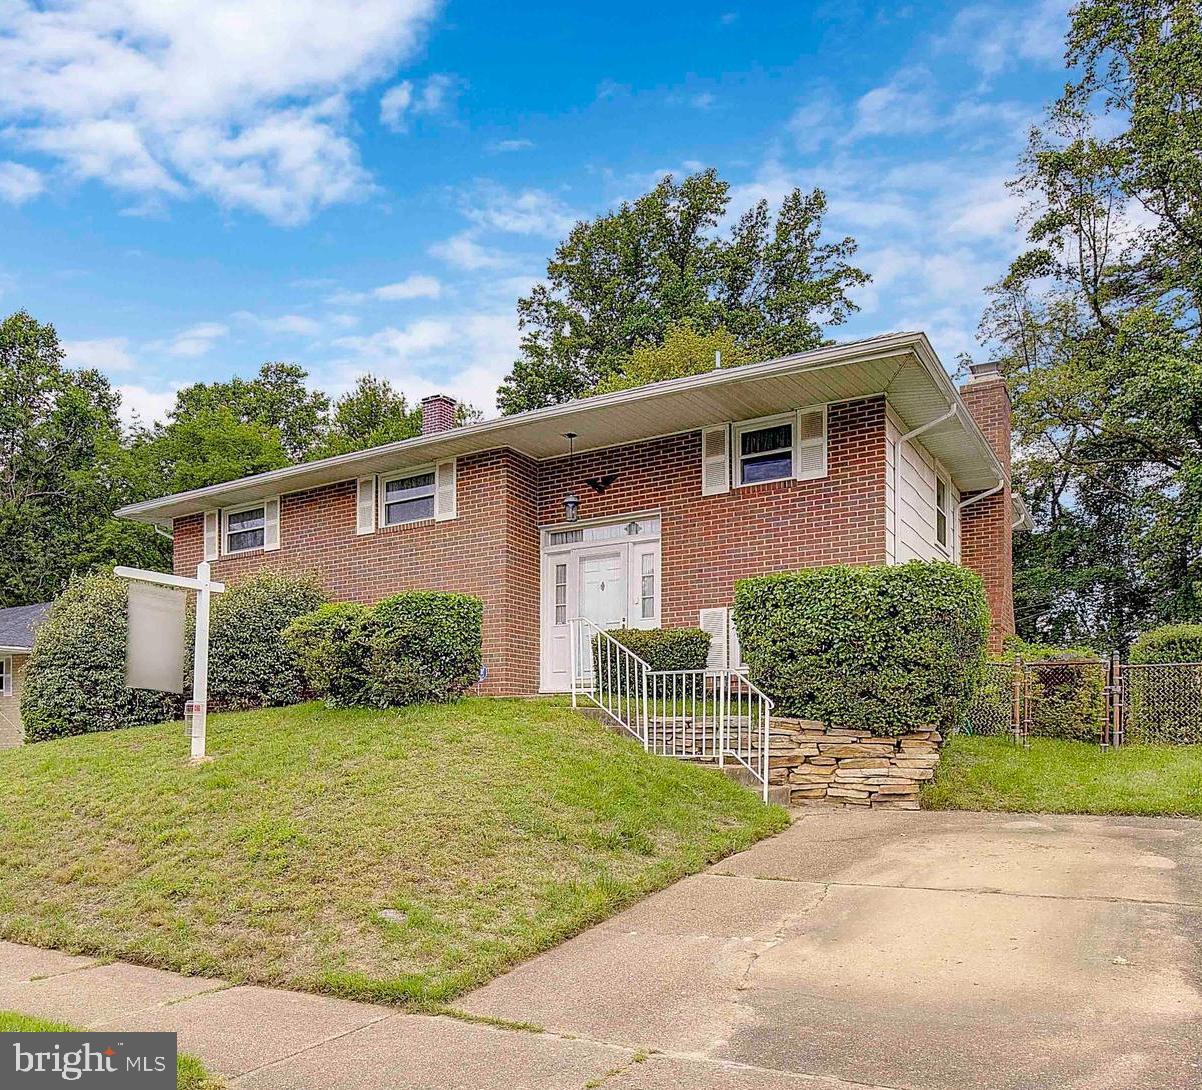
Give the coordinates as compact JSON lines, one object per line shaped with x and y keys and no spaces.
{"x":200,"y":663}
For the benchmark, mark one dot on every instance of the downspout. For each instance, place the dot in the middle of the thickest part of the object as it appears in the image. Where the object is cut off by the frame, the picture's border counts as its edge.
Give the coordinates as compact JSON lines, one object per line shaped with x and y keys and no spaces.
{"x":981,"y":495}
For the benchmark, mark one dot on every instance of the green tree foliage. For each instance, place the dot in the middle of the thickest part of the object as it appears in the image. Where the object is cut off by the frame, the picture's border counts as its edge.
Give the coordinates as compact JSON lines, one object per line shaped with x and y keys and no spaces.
{"x":63,"y":469}
{"x":622,"y":281}
{"x":371,"y":414}
{"x":1096,"y":326}
{"x":685,"y":351}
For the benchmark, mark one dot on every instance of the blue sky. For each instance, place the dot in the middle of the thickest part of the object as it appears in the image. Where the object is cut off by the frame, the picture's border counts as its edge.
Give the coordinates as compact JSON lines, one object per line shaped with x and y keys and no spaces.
{"x":189,"y":189}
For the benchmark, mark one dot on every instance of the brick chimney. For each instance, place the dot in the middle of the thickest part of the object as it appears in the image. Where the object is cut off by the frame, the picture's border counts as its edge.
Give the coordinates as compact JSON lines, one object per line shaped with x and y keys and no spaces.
{"x":438,"y":413}
{"x":986,"y":544}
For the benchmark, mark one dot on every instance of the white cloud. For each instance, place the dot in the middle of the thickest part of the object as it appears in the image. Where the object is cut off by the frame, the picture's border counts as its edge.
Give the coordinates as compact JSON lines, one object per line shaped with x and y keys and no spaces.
{"x":195,"y":341}
{"x":19,"y":183}
{"x":529,"y":212}
{"x":104,"y":353}
{"x":412,"y":287}
{"x":903,"y":105}
{"x":297,"y":325}
{"x":500,"y":147}
{"x":436,"y":95}
{"x":243,"y":100}
{"x":463,"y":252}
{"x":140,"y":405}
{"x":996,"y":37}
{"x":464,"y":355}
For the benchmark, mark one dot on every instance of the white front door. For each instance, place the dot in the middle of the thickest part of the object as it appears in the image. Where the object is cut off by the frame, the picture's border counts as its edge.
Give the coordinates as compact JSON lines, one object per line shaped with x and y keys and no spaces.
{"x":614,"y":585}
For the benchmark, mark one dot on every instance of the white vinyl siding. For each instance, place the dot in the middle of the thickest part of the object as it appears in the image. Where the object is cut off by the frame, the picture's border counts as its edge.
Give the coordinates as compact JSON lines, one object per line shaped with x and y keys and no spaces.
{"x":914,"y":514}
{"x":11,"y":733}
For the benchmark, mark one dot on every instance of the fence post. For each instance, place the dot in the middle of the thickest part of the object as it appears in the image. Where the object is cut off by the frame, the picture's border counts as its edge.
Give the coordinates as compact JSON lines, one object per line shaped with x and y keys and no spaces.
{"x":1016,"y":701}
{"x":1115,"y":705}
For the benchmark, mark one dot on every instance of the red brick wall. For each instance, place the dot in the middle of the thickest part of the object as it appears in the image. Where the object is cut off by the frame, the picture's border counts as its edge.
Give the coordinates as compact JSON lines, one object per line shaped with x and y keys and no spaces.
{"x":986,"y":541}
{"x":490,"y":550}
{"x":708,"y":542}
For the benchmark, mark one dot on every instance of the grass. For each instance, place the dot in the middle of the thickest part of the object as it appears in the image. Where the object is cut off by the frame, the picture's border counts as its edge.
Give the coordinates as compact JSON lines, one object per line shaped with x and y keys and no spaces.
{"x":190,"y":1073}
{"x":491,"y":830}
{"x":1061,"y":777}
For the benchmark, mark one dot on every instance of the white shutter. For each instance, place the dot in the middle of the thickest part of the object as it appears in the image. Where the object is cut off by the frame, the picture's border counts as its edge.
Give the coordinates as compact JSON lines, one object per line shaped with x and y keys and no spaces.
{"x":212,"y":534}
{"x":271,"y":524}
{"x":365,"y":506}
{"x":715,"y":622}
{"x":809,"y":444}
{"x":735,"y":651}
{"x":6,"y":677}
{"x":715,"y":460}
{"x":444,"y":491}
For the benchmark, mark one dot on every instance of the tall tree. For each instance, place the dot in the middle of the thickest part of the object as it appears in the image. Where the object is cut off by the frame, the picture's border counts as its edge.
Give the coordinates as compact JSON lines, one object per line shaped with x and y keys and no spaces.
{"x":1097,"y":327}
{"x":369,"y":415}
{"x":621,"y":281}
{"x":63,"y":469}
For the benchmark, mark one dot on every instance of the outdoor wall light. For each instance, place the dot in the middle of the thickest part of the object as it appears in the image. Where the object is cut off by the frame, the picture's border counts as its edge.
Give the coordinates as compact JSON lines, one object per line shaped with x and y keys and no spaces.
{"x":571,"y":502}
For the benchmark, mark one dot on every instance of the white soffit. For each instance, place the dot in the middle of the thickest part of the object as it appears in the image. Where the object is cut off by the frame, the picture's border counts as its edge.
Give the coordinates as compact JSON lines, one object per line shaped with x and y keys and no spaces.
{"x":903,"y":366}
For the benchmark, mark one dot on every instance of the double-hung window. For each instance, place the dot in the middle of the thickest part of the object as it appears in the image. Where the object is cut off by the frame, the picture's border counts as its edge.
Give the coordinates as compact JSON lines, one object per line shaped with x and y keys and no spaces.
{"x":407,"y":499}
{"x":6,"y":675}
{"x":245,"y":529}
{"x":943,"y":512}
{"x":764,"y":450}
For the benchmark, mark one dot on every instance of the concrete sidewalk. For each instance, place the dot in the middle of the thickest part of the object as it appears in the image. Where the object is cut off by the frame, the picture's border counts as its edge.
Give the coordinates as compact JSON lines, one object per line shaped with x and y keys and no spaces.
{"x":267,"y":1039}
{"x":855,"y":950}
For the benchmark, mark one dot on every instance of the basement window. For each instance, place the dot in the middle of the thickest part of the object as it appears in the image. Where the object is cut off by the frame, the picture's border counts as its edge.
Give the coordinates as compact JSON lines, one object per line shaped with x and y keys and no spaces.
{"x":408,"y":499}
{"x":245,"y":529}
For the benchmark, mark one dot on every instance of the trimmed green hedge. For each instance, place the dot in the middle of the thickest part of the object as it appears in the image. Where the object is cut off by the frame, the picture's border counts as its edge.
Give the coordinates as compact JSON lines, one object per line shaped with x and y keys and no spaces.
{"x":1169,"y":643}
{"x":329,"y":652}
{"x":75,"y":681}
{"x":885,"y":649}
{"x":660,"y":648}
{"x":250,"y":666}
{"x":413,"y":648}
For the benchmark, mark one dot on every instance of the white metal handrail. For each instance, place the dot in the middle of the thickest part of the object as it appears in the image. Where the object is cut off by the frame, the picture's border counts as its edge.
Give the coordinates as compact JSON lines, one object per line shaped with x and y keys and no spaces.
{"x":700,"y":715}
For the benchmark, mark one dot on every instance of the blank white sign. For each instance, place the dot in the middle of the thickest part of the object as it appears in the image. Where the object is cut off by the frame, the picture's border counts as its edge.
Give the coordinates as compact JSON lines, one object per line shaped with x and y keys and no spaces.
{"x":154,"y":654}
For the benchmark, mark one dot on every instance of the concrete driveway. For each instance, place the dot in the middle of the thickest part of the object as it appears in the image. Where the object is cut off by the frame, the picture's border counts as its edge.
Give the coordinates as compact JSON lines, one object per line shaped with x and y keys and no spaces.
{"x":925,"y":950}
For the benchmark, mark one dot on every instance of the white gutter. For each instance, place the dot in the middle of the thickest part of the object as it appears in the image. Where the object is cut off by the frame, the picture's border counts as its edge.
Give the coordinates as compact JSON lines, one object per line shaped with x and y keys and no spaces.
{"x":15,"y":650}
{"x":981,"y":495}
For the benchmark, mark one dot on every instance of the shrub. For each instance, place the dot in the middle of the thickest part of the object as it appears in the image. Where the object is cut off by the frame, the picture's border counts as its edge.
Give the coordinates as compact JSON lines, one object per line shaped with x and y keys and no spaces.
{"x":1066,"y":689}
{"x":75,"y":681}
{"x":329,"y":651}
{"x":1169,"y":643}
{"x":885,"y":649}
{"x":1166,"y":702}
{"x":421,"y":646}
{"x":660,"y":648}
{"x":250,"y":666}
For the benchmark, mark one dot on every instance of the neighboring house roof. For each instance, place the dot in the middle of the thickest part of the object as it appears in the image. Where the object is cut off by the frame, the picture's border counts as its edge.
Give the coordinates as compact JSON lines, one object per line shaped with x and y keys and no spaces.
{"x":18,"y":624}
{"x":902,"y":366}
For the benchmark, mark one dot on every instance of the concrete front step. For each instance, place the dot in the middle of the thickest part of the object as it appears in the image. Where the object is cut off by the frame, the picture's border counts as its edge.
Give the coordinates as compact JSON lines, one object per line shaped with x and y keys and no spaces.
{"x":777,"y":793}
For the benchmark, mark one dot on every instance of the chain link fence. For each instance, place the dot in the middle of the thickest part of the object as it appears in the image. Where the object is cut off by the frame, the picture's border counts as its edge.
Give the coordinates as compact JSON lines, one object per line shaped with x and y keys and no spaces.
{"x":1089,"y":700}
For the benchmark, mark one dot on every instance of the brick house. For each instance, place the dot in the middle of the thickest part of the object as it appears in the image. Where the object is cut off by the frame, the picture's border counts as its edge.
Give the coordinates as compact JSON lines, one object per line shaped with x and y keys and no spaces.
{"x":859,"y":453}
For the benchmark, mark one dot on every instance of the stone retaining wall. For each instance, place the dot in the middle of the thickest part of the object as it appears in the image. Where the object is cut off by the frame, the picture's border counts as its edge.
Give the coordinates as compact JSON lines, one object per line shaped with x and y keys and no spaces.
{"x":837,"y":766}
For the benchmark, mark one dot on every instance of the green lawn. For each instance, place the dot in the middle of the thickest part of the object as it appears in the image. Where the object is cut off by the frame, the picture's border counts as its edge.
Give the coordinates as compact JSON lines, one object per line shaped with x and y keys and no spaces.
{"x":492,"y":829}
{"x":1066,"y":778}
{"x":190,"y":1073}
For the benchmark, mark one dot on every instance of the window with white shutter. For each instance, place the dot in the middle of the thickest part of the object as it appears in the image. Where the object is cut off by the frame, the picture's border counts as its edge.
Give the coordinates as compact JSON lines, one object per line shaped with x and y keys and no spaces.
{"x":809,"y":445}
{"x":445,"y":492}
{"x":6,"y":676}
{"x":365,"y":506}
{"x":715,"y":460}
{"x":271,"y":524}
{"x":212,"y":534}
{"x":716,"y":623}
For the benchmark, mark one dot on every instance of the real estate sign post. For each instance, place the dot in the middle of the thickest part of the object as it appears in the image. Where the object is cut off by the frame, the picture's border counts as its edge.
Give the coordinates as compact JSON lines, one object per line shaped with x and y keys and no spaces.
{"x":156,"y":636}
